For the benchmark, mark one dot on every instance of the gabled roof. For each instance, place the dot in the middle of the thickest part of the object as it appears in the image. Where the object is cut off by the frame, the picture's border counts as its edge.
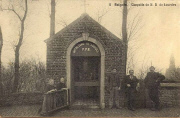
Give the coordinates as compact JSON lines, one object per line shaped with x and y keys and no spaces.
{"x":85,"y":15}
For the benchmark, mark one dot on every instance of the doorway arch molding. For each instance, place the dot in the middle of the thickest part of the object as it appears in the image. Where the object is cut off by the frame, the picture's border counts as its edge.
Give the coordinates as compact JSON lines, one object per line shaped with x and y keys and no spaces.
{"x":102,"y":75}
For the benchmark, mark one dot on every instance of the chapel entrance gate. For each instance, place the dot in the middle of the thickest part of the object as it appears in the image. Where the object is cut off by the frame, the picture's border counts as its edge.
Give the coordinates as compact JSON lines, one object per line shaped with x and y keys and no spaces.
{"x":88,"y":51}
{"x":85,"y":75}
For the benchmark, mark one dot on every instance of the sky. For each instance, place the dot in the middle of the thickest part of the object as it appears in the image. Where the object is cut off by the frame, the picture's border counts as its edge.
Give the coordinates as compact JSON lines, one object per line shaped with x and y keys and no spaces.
{"x":156,"y":38}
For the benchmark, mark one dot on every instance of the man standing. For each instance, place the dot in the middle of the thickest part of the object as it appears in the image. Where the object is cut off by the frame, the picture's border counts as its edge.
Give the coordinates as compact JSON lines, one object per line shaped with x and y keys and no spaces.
{"x":131,"y":85}
{"x":114,"y":87}
{"x":152,"y":83}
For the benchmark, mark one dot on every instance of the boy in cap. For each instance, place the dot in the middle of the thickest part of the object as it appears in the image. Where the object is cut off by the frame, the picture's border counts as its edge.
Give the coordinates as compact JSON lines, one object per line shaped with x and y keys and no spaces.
{"x":114,"y":87}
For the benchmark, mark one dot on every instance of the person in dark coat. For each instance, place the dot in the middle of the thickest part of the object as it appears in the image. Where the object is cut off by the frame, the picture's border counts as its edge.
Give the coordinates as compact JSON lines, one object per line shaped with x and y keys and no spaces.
{"x":61,"y":84}
{"x":60,"y":97}
{"x":114,"y":87}
{"x":131,"y":84}
{"x":152,"y":83}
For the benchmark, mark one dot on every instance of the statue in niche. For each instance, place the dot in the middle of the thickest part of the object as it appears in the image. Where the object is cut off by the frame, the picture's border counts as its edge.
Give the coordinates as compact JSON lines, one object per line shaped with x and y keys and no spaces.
{"x":88,"y":70}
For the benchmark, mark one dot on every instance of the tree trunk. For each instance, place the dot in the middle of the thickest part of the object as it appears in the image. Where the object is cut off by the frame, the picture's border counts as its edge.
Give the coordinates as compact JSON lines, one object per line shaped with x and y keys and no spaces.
{"x":1,"y":45}
{"x":16,"y":67}
{"x":17,"y":49}
{"x":124,"y":30}
{"x":52,"y":19}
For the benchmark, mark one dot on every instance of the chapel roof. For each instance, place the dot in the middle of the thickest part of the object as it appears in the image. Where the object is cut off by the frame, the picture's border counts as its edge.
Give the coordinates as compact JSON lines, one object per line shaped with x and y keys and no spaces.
{"x":80,"y":19}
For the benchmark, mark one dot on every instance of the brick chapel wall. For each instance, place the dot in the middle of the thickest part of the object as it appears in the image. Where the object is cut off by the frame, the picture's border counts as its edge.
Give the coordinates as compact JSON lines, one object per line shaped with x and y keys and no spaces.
{"x":169,"y":96}
{"x":57,"y":49}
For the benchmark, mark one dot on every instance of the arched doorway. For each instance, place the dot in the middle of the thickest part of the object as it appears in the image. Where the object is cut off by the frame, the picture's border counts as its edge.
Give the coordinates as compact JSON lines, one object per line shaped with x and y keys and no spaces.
{"x":85,"y":74}
{"x":85,"y":70}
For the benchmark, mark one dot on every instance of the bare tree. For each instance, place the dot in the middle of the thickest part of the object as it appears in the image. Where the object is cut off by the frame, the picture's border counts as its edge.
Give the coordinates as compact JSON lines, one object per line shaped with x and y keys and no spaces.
{"x":52,"y":18}
{"x":20,"y":39}
{"x":173,"y":74}
{"x":124,"y":29}
{"x":1,"y":45}
{"x":131,"y":28}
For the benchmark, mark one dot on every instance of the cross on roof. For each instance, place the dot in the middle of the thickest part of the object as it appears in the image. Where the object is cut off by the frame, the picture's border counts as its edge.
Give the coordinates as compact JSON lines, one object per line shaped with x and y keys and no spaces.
{"x":85,"y":5}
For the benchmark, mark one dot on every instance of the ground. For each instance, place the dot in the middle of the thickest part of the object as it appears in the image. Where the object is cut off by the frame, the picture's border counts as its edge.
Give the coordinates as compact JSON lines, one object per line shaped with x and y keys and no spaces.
{"x":32,"y":110}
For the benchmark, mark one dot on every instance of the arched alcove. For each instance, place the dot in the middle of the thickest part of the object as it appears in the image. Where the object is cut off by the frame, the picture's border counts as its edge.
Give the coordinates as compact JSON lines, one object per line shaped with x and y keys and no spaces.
{"x":102,"y":65}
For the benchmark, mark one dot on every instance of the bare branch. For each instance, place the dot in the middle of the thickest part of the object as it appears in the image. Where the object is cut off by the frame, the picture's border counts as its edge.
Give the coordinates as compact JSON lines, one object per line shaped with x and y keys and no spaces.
{"x":133,"y":28}
{"x":100,"y":15}
{"x":22,"y":25}
{"x":12,"y":9}
{"x":62,"y":22}
{"x":26,"y":10}
{"x":130,"y":8}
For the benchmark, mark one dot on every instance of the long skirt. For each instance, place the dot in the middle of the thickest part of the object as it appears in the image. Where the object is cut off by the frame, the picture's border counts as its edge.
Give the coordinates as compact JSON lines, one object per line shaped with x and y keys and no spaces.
{"x":49,"y":103}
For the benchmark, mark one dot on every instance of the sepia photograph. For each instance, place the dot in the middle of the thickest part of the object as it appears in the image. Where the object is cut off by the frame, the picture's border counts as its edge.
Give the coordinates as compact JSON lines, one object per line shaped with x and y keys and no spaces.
{"x":89,"y":58}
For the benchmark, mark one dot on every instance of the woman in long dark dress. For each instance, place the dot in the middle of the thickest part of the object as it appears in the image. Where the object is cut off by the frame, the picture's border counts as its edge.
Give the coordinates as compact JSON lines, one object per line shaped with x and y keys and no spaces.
{"x":61,"y":84}
{"x":48,"y":100}
{"x":50,"y":86}
{"x":60,"y":97}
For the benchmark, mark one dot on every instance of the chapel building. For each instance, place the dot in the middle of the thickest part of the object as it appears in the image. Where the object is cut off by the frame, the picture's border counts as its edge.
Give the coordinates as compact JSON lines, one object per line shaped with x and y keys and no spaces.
{"x":85,"y":53}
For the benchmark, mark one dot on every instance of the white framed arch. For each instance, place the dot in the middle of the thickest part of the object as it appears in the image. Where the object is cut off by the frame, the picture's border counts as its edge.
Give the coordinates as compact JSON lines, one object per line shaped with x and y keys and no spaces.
{"x":102,"y":75}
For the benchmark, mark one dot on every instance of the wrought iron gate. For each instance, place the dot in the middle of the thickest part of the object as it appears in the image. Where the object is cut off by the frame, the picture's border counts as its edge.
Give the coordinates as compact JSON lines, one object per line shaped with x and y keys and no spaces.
{"x":55,"y":100}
